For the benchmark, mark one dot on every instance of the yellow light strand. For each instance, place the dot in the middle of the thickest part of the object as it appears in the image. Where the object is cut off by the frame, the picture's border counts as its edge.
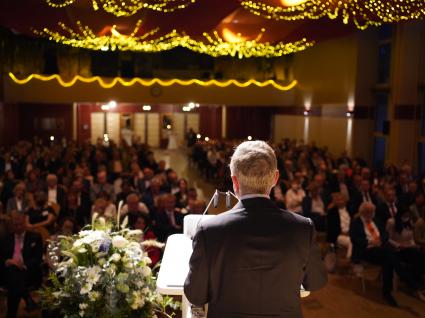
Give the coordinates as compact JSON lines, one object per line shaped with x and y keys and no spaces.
{"x":362,"y":13}
{"x":215,"y":46}
{"x":150,"y":82}
{"x":126,"y":8}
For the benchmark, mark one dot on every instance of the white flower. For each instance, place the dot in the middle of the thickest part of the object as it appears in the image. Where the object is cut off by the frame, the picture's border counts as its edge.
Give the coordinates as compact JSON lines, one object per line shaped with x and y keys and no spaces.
{"x":94,"y":295}
{"x":86,"y":288}
{"x":81,"y":313}
{"x":123,"y":288}
{"x":147,"y":260}
{"x":146,"y":271}
{"x":119,"y":241}
{"x":57,"y":294}
{"x":82,"y":250}
{"x":115,"y":257}
{"x":101,"y":261}
{"x":138,"y":301}
{"x":93,"y":274}
{"x":83,"y":306}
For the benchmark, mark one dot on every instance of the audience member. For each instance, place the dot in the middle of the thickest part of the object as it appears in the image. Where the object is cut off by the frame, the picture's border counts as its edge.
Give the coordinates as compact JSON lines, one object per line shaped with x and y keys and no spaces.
{"x":20,"y":201}
{"x":338,"y":223}
{"x":142,"y":223}
{"x":21,"y":254}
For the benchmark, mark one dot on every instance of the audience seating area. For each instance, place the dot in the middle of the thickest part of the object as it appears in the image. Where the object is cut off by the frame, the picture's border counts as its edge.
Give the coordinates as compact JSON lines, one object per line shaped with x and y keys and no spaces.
{"x":362,"y":215}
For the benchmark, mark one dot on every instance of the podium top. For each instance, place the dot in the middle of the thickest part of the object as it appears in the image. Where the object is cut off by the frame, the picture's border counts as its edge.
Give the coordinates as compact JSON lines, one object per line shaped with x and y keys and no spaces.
{"x":175,"y":265}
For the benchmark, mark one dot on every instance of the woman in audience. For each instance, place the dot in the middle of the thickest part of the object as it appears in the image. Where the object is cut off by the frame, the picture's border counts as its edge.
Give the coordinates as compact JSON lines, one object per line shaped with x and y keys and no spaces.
{"x":142,"y":223}
{"x":401,"y":238}
{"x":41,"y":217}
{"x":419,"y":231}
{"x":182,"y":194}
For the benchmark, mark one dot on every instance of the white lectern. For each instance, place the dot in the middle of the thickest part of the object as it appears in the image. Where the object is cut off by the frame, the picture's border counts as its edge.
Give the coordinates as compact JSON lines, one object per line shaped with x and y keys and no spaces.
{"x":175,"y":262}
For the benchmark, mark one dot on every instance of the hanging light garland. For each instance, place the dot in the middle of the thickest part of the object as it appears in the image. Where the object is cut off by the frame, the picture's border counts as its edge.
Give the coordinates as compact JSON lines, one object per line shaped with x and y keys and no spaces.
{"x":150,"y":82}
{"x":126,"y":8}
{"x":362,"y":13}
{"x":212,"y":45}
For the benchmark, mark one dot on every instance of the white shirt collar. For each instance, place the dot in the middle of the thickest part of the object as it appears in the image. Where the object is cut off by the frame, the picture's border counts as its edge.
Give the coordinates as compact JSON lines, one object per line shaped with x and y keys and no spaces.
{"x":254,"y":195}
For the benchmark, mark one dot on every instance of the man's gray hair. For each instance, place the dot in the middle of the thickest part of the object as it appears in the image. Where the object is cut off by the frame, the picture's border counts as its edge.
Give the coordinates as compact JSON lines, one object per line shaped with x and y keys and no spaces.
{"x":254,"y":164}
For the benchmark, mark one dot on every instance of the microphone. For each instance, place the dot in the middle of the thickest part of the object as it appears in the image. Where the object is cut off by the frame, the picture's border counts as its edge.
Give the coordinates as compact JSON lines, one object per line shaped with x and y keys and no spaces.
{"x":228,"y":199}
{"x":215,"y":199}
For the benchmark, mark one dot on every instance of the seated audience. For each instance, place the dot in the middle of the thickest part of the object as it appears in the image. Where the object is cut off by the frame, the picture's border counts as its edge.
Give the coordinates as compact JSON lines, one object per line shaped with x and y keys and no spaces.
{"x":168,"y":219}
{"x":142,"y":223}
{"x":401,"y":237}
{"x":182,"y":194}
{"x":56,"y":195}
{"x":294,"y":197}
{"x":338,"y":224}
{"x":20,"y":201}
{"x":104,"y":207}
{"x":419,"y":231}
{"x":102,"y":186}
{"x":363,"y":194}
{"x":133,"y":209}
{"x":369,"y":244}
{"x":418,"y":207}
{"x":41,"y":217}
{"x":388,"y":208}
{"x":21,"y":254}
{"x":314,"y":208}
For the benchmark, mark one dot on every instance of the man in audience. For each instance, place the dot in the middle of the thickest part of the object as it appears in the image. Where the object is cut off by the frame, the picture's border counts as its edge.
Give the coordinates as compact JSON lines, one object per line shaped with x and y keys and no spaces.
{"x":364,"y":194}
{"x":339,"y":220}
{"x":418,"y":207}
{"x":56,"y":195}
{"x":388,"y":208}
{"x":21,"y":255}
{"x":368,"y":237}
{"x":133,"y":208}
{"x":168,"y":220}
{"x":102,"y":185}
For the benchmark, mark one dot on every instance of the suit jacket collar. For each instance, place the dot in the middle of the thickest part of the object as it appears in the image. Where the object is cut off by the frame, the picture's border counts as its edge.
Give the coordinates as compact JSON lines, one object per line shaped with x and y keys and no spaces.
{"x":256,"y":203}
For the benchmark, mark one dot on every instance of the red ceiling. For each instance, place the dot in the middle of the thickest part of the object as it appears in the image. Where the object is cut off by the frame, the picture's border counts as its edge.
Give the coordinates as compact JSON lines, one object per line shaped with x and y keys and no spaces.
{"x":23,"y":16}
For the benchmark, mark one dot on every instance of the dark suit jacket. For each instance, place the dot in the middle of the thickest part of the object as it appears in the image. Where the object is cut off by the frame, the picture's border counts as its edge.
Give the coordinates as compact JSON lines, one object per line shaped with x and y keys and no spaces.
{"x":334,"y":224}
{"x":359,"y":238}
{"x":356,"y":199}
{"x":162,"y":227}
{"x":251,"y":261}
{"x":383,"y":212}
{"x":32,"y":253}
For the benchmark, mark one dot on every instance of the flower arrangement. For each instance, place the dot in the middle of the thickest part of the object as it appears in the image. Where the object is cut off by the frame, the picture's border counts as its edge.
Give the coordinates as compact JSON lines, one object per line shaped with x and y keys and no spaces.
{"x":103,"y":272}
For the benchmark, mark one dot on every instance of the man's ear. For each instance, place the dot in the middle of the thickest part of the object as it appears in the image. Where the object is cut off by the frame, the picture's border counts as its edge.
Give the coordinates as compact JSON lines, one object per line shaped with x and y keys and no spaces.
{"x":236,"y":187}
{"x":276,"y":177}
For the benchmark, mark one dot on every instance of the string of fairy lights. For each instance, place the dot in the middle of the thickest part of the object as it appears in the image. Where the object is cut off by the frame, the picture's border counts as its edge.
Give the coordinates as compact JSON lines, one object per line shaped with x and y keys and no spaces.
{"x":213,"y":45}
{"x":126,"y":8}
{"x":149,"y":82}
{"x":362,"y":13}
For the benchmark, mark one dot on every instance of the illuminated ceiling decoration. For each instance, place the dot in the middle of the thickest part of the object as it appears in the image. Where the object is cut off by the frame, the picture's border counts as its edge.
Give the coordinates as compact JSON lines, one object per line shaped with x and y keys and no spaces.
{"x":362,"y":13}
{"x":126,"y":8}
{"x":150,"y":82}
{"x":212,"y":45}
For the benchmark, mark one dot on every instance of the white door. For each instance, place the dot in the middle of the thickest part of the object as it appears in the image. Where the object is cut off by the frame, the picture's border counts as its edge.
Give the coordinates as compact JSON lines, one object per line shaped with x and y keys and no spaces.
{"x":153,"y":129}
{"x":178,"y":130}
{"x":97,"y":126}
{"x":140,"y":126}
{"x":113,"y":127}
{"x":193,"y":122}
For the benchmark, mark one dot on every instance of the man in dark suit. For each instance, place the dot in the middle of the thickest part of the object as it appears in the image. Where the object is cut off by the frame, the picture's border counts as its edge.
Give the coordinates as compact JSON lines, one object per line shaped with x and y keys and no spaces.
{"x":251,"y":260}
{"x":369,"y":244}
{"x":167,"y":219}
{"x":56,"y":194}
{"x":360,"y":195}
{"x":388,"y":208}
{"x":20,"y":262}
